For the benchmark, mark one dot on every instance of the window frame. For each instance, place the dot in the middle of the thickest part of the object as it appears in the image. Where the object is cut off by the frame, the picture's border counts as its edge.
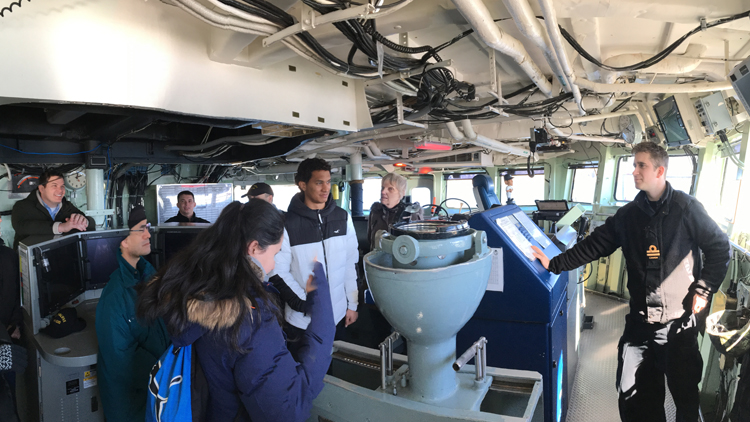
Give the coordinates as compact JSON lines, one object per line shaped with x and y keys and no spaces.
{"x":575,"y":167}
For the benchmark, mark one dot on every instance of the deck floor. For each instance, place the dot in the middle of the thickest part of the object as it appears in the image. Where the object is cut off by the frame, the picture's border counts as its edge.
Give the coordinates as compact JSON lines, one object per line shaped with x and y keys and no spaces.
{"x":593,"y":397}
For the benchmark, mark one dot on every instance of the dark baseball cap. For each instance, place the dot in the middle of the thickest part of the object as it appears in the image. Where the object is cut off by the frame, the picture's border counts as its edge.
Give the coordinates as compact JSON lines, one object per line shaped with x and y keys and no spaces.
{"x":64,"y":322}
{"x":137,"y":214}
{"x":507,"y":176}
{"x":259,"y":189}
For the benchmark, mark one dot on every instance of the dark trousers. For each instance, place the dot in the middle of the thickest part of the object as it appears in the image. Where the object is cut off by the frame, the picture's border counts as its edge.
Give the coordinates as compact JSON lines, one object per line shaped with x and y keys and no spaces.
{"x":648,"y":352}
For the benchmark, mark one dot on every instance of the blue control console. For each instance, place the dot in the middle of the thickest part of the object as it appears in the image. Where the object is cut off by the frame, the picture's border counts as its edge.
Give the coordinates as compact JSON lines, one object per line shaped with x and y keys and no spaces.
{"x":524,"y":318}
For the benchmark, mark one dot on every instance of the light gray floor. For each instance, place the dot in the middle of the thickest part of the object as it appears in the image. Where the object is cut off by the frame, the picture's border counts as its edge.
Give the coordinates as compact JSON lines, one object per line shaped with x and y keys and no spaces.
{"x":593,"y":397}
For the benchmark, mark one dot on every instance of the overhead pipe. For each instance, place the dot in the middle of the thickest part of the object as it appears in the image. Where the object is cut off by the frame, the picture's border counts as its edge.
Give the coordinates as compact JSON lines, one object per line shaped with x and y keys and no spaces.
{"x":469,"y":135}
{"x":374,"y":148}
{"x":654,"y":88}
{"x":476,"y":14}
{"x":529,"y":25}
{"x":491,"y":143}
{"x":360,"y":136}
{"x":553,"y":30}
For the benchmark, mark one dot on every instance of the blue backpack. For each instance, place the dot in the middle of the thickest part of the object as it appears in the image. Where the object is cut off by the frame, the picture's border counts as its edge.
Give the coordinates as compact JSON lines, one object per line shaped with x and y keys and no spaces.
{"x":177,"y":388}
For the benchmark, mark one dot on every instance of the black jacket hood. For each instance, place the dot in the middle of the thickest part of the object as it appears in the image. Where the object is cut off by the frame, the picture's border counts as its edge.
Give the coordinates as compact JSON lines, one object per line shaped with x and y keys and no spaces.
{"x":298,"y":206}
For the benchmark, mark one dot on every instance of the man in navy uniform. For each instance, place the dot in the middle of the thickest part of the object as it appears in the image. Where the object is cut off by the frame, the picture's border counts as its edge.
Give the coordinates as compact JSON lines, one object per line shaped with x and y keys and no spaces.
{"x":662,"y":233}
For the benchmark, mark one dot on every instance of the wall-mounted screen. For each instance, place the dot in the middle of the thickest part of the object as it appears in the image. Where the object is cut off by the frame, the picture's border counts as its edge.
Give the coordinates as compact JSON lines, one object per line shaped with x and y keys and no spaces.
{"x":671,"y":122}
{"x":59,"y":278}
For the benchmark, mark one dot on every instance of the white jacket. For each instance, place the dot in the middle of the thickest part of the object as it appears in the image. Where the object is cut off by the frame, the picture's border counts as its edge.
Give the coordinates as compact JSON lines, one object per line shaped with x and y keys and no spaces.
{"x":325,"y":235}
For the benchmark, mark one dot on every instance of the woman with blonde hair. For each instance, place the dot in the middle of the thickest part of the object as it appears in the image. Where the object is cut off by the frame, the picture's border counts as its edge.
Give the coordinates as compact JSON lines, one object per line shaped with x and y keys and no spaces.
{"x":391,"y":209}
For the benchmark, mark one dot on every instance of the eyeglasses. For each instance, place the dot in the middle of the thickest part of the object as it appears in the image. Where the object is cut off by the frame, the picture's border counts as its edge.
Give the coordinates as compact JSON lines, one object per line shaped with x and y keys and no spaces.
{"x":148,"y":227}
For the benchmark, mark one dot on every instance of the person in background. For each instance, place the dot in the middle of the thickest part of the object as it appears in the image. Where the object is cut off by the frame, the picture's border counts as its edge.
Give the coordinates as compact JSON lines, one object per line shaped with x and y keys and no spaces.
{"x":260,"y":190}
{"x":663,"y":233}
{"x":10,"y":297}
{"x":213,"y":295}
{"x":391,"y":209}
{"x":186,"y":205}
{"x":10,"y":315}
{"x":13,"y":359}
{"x":47,"y":212}
{"x":316,"y":229}
{"x":127,"y":348}
{"x":508,"y":180}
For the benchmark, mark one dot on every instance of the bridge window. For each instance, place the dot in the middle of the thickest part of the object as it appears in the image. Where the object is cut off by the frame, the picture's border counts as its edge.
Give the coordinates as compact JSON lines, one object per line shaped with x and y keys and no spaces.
{"x":371,"y":192}
{"x":679,"y":175}
{"x":525,"y":189}
{"x":584,"y":184}
{"x":421,"y":195}
{"x":730,"y":189}
{"x":460,"y":186}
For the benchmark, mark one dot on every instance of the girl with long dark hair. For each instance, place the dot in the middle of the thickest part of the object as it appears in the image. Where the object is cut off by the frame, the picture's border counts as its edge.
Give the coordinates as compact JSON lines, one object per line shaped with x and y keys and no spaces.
{"x":213,"y":295}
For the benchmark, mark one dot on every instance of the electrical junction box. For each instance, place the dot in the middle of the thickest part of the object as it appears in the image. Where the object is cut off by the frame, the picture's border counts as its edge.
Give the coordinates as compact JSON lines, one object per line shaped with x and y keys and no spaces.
{"x":713,"y":113}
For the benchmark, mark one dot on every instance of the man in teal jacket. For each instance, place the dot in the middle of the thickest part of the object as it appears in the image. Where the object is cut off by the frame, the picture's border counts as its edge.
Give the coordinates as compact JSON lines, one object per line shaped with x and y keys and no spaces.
{"x":127,"y":349}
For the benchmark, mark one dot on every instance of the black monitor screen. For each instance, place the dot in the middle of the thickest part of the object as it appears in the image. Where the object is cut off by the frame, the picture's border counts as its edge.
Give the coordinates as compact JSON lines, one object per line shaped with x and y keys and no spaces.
{"x":59,"y":276}
{"x":101,"y":260}
{"x":174,"y":242}
{"x":671,"y":122}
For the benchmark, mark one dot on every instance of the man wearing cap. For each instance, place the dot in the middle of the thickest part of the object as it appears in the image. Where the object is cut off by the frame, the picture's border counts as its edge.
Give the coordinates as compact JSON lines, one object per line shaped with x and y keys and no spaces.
{"x":508,"y":180}
{"x":127,"y":349}
{"x":261,"y":191}
{"x":186,"y":205}
{"x":46,"y":211}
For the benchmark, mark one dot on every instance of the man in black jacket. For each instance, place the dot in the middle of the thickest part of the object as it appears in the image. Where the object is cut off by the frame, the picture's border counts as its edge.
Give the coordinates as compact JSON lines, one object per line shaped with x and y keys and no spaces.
{"x":186,"y":205}
{"x":47,"y":212}
{"x":662,"y":233}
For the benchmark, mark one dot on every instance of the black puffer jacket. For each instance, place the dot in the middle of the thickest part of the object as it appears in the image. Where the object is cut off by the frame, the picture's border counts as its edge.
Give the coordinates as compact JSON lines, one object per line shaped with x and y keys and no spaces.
{"x":662,"y":246}
{"x":382,"y":217}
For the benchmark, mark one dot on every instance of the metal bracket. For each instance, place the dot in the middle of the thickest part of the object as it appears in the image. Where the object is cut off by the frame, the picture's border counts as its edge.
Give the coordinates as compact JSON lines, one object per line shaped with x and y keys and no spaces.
{"x":309,"y":20}
{"x":494,"y":83}
{"x":400,"y":113}
{"x":307,"y":17}
{"x":386,"y":359}
{"x":703,"y":25}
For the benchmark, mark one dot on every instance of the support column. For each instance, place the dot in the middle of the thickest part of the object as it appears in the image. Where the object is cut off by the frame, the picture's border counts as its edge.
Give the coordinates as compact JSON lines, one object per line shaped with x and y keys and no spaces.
{"x":95,"y":192}
{"x":356,"y":181}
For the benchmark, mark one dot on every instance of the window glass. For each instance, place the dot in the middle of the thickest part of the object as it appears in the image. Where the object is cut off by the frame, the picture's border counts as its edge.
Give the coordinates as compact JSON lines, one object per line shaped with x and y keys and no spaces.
{"x":371,"y":192}
{"x":525,"y":189}
{"x":461,"y":189}
{"x":282,"y":194}
{"x":421,"y":195}
{"x":679,"y":175}
{"x":729,"y":190}
{"x":584,"y":185}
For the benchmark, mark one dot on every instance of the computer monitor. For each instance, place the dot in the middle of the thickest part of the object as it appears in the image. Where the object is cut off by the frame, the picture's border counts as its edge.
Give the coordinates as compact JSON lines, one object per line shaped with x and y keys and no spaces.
{"x":58,"y":271}
{"x":171,"y":240}
{"x":679,"y":120}
{"x":99,"y":252}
